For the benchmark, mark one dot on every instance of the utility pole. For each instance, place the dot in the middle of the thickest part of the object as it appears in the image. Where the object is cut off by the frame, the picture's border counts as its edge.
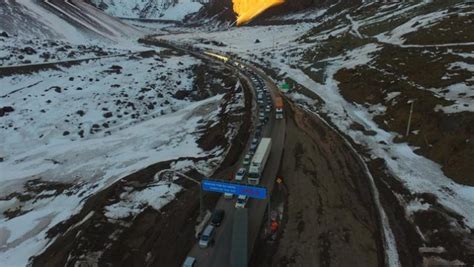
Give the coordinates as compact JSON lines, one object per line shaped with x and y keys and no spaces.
{"x":412,"y":102}
{"x":201,"y":195}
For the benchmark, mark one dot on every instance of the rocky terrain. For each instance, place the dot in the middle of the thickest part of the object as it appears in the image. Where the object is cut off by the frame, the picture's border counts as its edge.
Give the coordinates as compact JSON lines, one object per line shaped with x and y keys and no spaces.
{"x":89,"y":119}
{"x":77,"y":118}
{"x":150,"y":9}
{"x":360,"y":66}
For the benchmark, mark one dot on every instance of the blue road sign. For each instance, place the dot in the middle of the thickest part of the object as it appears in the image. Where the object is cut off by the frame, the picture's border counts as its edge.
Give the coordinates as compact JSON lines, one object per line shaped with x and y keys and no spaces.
{"x":259,"y":192}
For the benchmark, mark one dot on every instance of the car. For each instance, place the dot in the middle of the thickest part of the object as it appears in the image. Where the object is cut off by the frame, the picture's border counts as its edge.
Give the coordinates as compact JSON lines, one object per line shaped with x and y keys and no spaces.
{"x":239,"y":176}
{"x":268,"y":108}
{"x":247,"y":159}
{"x":207,"y":237}
{"x":258,"y":132}
{"x":254,"y":144}
{"x":217,"y":217}
{"x":241,"y":202}
{"x":189,"y":262}
{"x":228,"y":196}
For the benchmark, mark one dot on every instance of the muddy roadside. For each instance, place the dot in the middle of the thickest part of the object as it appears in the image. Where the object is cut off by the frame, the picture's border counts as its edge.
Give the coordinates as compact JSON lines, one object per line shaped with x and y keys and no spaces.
{"x":329,"y":218}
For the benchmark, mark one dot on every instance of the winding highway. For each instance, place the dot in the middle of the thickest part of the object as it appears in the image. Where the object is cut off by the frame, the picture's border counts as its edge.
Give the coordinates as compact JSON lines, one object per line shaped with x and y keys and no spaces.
{"x":220,"y":253}
{"x":344,"y":191}
{"x":340,"y":183}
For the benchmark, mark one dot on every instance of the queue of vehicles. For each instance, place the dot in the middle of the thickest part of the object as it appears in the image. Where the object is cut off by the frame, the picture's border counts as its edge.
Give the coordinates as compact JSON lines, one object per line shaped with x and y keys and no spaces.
{"x":253,"y":163}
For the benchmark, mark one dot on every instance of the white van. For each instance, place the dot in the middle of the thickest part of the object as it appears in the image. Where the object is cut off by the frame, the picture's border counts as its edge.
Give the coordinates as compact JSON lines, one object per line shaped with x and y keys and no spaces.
{"x":241,"y":201}
{"x":207,"y":237}
{"x":189,"y":262}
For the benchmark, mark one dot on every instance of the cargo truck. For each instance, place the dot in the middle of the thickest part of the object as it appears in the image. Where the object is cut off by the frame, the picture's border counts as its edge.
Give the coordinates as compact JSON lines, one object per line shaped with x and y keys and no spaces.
{"x":278,"y":108}
{"x":259,"y":160}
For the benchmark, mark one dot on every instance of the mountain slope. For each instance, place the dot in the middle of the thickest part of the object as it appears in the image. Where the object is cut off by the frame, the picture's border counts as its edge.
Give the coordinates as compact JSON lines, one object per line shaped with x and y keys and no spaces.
{"x":362,"y":66}
{"x":77,"y":119}
{"x":78,"y":115}
{"x":222,"y":10}
{"x":72,"y":20}
{"x":149,"y":9}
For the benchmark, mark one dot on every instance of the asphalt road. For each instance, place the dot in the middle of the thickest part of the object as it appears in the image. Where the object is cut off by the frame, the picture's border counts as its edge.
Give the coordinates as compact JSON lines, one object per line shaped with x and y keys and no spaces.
{"x":219,"y":254}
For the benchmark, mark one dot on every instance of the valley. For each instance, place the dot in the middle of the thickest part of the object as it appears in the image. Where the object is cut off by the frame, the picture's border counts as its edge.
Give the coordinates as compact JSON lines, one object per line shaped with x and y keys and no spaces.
{"x":107,"y":106}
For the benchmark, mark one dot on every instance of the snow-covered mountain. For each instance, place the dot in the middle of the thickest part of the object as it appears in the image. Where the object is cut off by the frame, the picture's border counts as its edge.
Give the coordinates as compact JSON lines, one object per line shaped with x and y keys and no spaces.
{"x":221,"y":10}
{"x":74,"y":21}
{"x":363,"y":67}
{"x":77,"y":118}
{"x":150,"y":9}
{"x":77,"y":89}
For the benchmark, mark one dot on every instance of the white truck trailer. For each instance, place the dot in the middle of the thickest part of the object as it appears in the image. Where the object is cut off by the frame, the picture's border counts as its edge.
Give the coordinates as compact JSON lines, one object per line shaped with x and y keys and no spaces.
{"x":257,"y":165}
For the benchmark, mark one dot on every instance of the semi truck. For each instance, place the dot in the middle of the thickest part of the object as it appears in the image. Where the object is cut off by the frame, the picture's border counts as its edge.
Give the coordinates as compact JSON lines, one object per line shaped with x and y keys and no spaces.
{"x":278,"y":108}
{"x":257,"y":165}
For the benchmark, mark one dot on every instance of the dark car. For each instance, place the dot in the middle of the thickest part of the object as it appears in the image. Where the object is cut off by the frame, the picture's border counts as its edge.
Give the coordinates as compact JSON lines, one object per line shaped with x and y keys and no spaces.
{"x":217,"y":217}
{"x":254,"y":144}
{"x":258,"y":132}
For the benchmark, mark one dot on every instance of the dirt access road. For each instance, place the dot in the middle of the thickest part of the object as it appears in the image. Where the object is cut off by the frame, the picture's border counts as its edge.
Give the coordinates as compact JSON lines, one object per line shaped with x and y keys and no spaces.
{"x":329,"y":218}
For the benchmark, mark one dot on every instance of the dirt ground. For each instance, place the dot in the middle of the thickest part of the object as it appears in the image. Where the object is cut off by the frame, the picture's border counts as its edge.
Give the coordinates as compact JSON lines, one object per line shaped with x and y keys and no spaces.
{"x":328,"y":218}
{"x":441,"y":137}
